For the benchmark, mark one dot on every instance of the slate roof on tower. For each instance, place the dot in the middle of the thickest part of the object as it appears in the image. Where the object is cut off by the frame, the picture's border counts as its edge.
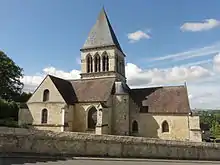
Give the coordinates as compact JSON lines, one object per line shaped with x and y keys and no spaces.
{"x":102,"y":34}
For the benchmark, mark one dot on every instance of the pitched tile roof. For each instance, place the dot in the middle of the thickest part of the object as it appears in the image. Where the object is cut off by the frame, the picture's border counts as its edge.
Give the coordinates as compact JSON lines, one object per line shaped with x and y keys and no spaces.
{"x":93,"y":89}
{"x":102,"y":34}
{"x":65,"y":88}
{"x":172,"y":100}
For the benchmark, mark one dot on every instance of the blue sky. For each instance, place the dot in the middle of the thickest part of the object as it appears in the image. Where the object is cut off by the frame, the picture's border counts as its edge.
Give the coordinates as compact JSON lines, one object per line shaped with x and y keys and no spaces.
{"x":41,"y":34}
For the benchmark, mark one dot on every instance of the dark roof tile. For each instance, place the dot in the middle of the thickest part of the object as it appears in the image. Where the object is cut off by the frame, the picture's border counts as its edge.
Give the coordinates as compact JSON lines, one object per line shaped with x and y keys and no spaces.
{"x":65,"y":88}
{"x":172,"y":100}
{"x":93,"y":89}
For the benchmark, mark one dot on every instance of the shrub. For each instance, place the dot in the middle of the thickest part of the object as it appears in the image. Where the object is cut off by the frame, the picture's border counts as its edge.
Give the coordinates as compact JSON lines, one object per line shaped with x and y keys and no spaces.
{"x":8,"y":110}
{"x":8,"y":122}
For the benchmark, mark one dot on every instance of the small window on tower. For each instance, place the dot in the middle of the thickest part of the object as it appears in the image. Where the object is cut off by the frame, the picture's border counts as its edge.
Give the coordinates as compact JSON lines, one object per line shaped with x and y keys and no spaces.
{"x":97,"y":63}
{"x":89,"y":63}
{"x":105,"y":62}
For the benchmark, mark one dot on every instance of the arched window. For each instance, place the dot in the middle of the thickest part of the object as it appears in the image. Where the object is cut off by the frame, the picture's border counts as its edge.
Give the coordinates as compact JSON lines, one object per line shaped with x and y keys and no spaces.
{"x":46,"y":95}
{"x":165,"y":127}
{"x":116,"y":63}
{"x":97,"y":63}
{"x":135,"y":127}
{"x":105,"y":62}
{"x":92,"y":118}
{"x":89,"y":63}
{"x":120,"y":66}
{"x":44,"y":116}
{"x":123,"y":67}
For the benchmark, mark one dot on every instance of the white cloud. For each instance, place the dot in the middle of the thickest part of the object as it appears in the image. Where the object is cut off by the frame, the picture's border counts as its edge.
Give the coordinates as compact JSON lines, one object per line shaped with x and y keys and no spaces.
{"x":200,"y":26}
{"x":138,"y":35}
{"x":31,"y":82}
{"x":136,"y":76}
{"x":216,"y":63}
{"x":204,"y":51}
{"x":202,"y":82}
{"x":204,"y":96}
{"x":74,"y":74}
{"x":198,"y":63}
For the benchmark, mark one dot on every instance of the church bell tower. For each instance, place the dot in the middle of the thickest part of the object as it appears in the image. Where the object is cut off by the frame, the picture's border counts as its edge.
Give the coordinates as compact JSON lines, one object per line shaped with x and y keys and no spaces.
{"x":101,"y":55}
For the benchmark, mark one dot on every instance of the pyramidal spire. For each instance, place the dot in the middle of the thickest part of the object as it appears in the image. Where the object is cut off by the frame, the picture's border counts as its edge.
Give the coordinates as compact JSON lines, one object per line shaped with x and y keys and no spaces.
{"x":101,"y":34}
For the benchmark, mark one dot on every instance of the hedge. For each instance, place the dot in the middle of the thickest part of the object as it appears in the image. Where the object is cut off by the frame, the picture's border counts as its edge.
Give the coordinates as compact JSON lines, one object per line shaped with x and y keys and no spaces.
{"x":8,"y":110}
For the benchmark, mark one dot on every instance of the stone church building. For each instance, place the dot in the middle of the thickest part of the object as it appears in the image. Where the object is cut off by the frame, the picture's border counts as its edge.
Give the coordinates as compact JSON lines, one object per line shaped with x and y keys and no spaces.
{"x":101,"y":102}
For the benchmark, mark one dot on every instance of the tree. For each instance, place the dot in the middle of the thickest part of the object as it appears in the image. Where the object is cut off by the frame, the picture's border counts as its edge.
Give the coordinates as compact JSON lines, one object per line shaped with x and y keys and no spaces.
{"x":212,"y":118}
{"x":23,"y":97}
{"x":206,"y":118}
{"x":10,"y":74}
{"x":8,"y":110}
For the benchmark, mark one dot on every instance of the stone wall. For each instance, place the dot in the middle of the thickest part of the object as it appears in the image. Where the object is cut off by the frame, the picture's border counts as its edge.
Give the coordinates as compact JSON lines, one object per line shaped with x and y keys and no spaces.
{"x":68,"y":117}
{"x":35,"y":104}
{"x":181,"y":127}
{"x":54,"y":94}
{"x":80,"y":114}
{"x":54,"y":112}
{"x":178,"y":126}
{"x":134,"y":113}
{"x":25,"y":116}
{"x":121,"y":114}
{"x":195,"y":131}
{"x":81,"y":144}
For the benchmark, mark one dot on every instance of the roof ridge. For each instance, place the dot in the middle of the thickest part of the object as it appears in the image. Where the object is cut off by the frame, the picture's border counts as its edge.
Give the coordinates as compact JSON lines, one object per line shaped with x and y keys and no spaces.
{"x":56,"y":77}
{"x":158,"y":87}
{"x":65,"y":89}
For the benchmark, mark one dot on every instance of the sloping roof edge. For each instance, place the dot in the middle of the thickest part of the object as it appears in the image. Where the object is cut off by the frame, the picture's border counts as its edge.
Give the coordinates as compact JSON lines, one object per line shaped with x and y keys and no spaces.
{"x":65,"y":89}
